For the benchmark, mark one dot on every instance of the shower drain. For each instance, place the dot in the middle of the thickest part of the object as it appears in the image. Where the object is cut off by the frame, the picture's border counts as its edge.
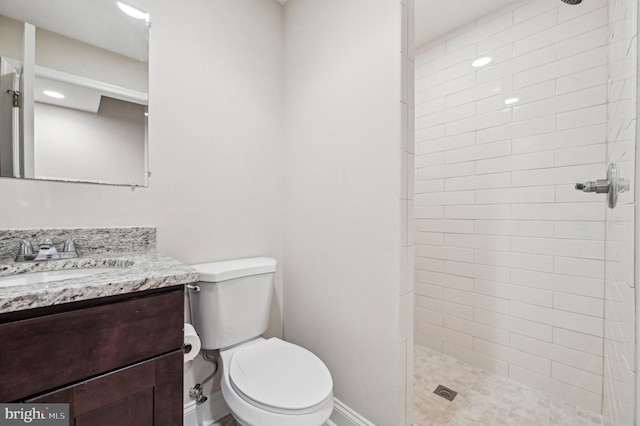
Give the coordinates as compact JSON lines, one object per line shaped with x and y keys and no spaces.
{"x":445,"y":392}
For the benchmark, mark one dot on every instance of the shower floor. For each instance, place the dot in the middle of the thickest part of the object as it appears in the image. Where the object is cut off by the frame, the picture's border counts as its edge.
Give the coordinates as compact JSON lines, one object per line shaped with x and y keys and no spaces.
{"x":484,"y":398}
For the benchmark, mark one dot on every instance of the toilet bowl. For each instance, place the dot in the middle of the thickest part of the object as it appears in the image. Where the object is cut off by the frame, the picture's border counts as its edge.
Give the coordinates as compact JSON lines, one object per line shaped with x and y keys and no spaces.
{"x":265,"y":382}
{"x":275,"y":383}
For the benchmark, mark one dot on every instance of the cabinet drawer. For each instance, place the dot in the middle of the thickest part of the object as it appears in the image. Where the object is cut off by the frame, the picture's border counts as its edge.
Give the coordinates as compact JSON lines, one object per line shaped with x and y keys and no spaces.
{"x":48,"y":352}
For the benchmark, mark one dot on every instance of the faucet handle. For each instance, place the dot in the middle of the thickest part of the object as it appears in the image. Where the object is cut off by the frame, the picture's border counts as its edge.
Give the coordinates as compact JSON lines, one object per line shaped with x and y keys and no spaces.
{"x":26,"y":251}
{"x":70,"y":246}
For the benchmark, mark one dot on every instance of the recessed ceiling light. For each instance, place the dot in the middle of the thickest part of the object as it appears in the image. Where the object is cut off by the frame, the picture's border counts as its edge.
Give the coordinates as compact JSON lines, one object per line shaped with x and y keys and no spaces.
{"x":53,"y":94}
{"x":132,"y":11}
{"x":481,"y":62}
{"x":510,"y":101}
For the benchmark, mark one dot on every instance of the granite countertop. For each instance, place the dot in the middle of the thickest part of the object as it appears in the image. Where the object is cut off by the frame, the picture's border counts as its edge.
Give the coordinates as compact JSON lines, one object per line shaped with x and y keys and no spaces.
{"x":134,"y":271}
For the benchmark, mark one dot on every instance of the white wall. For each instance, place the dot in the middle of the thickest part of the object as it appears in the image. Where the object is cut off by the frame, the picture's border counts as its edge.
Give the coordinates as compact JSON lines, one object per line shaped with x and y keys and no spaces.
{"x":105,"y":146}
{"x":215,"y":129}
{"x":346,"y":199}
{"x":510,"y":258}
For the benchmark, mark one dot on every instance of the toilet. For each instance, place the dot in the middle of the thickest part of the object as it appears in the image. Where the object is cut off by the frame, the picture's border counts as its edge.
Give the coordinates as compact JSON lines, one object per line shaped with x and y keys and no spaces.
{"x":265,"y":382}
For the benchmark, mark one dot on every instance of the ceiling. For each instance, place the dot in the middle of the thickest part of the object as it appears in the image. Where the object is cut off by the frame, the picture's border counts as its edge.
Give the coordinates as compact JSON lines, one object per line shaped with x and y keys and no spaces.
{"x":96,"y":22}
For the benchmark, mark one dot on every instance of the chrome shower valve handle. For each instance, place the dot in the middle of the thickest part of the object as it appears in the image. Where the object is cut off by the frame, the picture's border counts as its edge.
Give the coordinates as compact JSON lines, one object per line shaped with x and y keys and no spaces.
{"x":612,"y":186}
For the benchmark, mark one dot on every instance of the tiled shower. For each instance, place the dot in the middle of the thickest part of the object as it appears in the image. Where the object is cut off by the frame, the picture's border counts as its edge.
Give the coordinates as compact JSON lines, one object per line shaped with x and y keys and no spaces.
{"x":516,"y":271}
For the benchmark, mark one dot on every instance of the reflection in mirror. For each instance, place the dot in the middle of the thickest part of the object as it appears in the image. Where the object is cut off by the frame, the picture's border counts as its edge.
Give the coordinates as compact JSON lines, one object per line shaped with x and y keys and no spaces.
{"x":73,"y":92}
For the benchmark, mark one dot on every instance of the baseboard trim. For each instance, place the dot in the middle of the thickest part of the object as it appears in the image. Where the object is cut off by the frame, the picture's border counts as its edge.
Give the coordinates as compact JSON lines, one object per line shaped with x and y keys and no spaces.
{"x":207,"y":414}
{"x":202,"y":415}
{"x":343,"y":415}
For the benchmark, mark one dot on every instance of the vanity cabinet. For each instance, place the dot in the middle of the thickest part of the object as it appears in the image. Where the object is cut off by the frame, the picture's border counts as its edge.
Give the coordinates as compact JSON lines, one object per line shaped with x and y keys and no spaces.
{"x":115,"y":360}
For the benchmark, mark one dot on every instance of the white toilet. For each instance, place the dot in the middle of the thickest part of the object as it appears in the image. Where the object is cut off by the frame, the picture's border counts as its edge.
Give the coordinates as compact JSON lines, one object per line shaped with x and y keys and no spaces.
{"x":265,"y":382}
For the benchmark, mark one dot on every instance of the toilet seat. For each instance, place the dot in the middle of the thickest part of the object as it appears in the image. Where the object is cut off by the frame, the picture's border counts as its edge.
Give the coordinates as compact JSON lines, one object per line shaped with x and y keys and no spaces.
{"x":280,"y":377}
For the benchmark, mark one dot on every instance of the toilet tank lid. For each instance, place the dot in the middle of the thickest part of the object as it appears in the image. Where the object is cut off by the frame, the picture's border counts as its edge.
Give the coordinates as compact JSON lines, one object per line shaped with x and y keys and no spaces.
{"x":214,"y":272}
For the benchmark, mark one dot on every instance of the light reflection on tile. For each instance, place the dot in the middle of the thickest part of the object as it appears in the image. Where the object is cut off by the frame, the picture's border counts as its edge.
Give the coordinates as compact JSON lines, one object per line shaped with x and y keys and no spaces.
{"x":485,"y":398}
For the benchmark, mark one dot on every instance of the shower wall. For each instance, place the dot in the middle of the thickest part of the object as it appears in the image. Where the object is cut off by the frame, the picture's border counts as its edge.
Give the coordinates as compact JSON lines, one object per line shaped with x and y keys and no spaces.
{"x":619,"y":312}
{"x":510,"y":264}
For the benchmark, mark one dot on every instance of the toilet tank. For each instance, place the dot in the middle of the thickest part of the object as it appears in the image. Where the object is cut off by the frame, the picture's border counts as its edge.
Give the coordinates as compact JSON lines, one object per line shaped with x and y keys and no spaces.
{"x":234,"y":300}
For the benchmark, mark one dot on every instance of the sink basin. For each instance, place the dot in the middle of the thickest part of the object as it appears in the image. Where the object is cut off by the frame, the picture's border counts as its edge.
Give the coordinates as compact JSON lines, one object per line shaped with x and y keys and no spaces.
{"x":49,"y":276}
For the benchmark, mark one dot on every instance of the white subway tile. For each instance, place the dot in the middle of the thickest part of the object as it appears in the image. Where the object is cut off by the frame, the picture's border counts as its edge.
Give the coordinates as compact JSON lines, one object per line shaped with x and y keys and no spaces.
{"x":445,"y":143}
{"x":521,"y":96}
{"x":445,"y":307}
{"x":447,"y":170}
{"x":454,"y":226}
{"x":562,"y":354}
{"x":497,"y":180}
{"x":547,"y":69}
{"x":522,"y":30}
{"x":428,"y":290}
{"x":479,"y":92}
{"x":445,"y":280}
{"x":459,"y":268}
{"x":580,"y":136}
{"x":487,"y":242}
{"x":536,"y":160}
{"x":531,"y":9}
{"x":446,"y":88}
{"x":474,"y":358}
{"x":431,"y":53}
{"x":561,"y":103}
{"x":589,"y":154}
{"x":429,"y":134}
{"x":592,"y":306}
{"x":478,"y":152}
{"x":429,"y":212}
{"x":575,"y":377}
{"x":426,"y":160}
{"x":557,"y":388}
{"x":588,"y":268}
{"x":584,"y":41}
{"x":559,"y":211}
{"x":588,"y":249}
{"x":481,"y":32}
{"x":446,"y":116}
{"x":521,"y":129}
{"x":517,"y":67}
{"x":488,"y":212}
{"x":492,"y":334}
{"x":429,"y":185}
{"x":513,"y":356}
{"x":514,"y":260}
{"x":580,"y":341}
{"x":477,"y":300}
{"x":427,"y":341}
{"x":591,"y":77}
{"x":579,"y":230}
{"x":559,"y":34}
{"x":443,"y":333}
{"x":514,"y":292}
{"x":569,"y":320}
{"x":445,"y":198}
{"x":535,"y":194}
{"x":429,"y":107}
{"x":446,"y":253}
{"x":524,"y":228}
{"x":466,"y":54}
{"x":435,"y":265}
{"x":554,"y":176}
{"x":426,"y":315}
{"x":567,"y":13}
{"x":565,"y":283}
{"x":516,"y":325}
{"x":479,"y":122}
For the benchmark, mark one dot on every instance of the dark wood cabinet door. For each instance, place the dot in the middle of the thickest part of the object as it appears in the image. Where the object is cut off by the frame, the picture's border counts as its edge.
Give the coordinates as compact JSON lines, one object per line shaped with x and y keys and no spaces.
{"x":144,"y":394}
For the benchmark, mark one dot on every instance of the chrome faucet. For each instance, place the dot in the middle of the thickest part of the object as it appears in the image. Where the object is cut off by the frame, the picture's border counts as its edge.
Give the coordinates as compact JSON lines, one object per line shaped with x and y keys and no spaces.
{"x":46,"y":250}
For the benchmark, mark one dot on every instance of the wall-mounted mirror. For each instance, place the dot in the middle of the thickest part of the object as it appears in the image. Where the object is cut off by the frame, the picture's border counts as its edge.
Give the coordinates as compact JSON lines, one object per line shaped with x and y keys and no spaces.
{"x":74,"y":91}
